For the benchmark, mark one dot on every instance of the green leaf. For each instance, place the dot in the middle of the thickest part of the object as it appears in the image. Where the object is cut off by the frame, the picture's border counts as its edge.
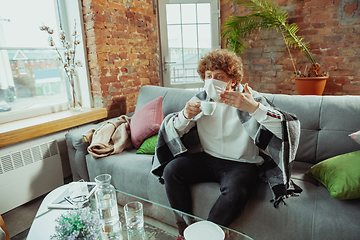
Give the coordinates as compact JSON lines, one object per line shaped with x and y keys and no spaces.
{"x":265,"y":15}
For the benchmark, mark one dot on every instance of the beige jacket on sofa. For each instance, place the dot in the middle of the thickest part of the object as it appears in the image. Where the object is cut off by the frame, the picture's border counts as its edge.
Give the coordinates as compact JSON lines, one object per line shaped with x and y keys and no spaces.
{"x":110,"y":138}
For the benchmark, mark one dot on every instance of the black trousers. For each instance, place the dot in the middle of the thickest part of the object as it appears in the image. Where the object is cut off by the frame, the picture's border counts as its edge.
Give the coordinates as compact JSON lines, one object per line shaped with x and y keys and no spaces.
{"x":237,"y":182}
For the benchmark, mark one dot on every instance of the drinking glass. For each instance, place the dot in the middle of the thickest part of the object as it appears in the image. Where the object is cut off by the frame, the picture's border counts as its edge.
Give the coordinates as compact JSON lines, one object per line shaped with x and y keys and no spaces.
{"x":134,"y":220}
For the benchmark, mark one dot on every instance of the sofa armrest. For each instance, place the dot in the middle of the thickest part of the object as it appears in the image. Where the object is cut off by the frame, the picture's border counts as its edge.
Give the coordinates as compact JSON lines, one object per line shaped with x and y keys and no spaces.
{"x":77,"y":150}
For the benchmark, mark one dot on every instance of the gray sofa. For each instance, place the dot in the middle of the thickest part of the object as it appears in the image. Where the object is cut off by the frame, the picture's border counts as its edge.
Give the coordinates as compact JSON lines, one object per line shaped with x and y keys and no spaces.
{"x":326,"y":122}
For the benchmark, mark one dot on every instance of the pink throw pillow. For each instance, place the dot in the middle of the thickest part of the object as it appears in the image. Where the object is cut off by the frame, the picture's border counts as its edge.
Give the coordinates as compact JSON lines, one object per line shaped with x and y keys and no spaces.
{"x":146,"y":121}
{"x":356,"y":136}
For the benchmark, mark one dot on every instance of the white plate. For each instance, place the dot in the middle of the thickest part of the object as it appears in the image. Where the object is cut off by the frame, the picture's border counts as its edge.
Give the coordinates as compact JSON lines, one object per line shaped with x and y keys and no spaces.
{"x":204,"y":230}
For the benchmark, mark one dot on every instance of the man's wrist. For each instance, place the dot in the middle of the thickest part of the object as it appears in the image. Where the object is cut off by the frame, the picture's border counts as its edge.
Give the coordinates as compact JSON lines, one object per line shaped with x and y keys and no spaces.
{"x":183,"y":113}
{"x":255,"y":108}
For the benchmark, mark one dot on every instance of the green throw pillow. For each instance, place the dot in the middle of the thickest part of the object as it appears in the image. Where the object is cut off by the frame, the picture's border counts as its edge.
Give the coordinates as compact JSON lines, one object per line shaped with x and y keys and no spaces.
{"x":340,"y":175}
{"x":148,"y":146}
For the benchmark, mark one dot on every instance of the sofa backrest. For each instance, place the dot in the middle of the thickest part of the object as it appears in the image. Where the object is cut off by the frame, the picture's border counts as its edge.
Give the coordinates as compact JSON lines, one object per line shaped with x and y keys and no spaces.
{"x":174,"y":98}
{"x":326,"y":121}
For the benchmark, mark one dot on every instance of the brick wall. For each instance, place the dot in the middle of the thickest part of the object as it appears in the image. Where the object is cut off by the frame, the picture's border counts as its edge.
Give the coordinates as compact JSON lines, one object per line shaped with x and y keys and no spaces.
{"x":333,"y":29}
{"x":123,"y":51}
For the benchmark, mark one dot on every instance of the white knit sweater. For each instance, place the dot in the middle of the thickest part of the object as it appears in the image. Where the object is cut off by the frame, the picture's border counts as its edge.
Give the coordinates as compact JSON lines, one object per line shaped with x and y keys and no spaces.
{"x":222,"y":135}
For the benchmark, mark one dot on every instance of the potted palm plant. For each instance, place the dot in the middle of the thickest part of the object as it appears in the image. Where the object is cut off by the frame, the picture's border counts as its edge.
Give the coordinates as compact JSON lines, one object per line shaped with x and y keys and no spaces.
{"x":266,"y":15}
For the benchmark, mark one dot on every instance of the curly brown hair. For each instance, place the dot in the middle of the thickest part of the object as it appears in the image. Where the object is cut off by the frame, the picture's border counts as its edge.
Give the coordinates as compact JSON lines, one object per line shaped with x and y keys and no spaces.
{"x":221,"y":59}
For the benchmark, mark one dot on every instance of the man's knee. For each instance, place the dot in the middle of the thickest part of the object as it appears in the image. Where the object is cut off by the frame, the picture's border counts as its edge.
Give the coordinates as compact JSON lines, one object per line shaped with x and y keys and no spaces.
{"x":238,"y":194}
{"x":171,"y":170}
{"x":167,"y":172}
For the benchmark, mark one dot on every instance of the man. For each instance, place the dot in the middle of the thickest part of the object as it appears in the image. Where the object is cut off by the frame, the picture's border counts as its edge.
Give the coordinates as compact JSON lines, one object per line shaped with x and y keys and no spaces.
{"x":230,"y":152}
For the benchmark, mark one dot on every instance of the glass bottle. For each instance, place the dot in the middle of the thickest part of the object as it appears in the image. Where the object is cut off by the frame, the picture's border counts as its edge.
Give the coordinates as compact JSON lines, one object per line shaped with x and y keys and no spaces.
{"x":107,"y":208}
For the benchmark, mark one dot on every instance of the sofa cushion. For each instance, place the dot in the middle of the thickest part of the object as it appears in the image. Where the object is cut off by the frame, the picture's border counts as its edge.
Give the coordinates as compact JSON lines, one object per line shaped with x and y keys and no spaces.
{"x":148,"y":146}
{"x":340,"y":175}
{"x":298,"y":172}
{"x":146,"y":121}
{"x":129,"y":171}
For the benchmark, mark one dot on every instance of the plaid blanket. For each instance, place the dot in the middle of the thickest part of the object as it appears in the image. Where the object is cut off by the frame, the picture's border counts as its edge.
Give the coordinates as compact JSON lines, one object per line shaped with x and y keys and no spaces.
{"x":278,"y":154}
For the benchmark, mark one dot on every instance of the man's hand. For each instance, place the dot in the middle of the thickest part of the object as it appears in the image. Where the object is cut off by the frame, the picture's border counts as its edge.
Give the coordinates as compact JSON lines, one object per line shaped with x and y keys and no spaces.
{"x":191,"y":109}
{"x":242,"y":101}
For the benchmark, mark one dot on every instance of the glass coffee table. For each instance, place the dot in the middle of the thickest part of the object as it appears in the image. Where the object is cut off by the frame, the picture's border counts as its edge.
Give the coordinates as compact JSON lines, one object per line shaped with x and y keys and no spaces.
{"x":159,"y":219}
{"x":163,"y":229}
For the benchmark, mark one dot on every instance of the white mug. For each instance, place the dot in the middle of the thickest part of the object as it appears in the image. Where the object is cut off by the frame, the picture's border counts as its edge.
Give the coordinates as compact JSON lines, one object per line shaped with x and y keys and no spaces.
{"x":208,"y":108}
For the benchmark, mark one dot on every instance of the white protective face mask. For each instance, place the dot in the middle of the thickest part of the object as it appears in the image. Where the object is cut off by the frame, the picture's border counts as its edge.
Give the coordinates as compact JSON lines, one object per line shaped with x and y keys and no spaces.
{"x":214,"y":88}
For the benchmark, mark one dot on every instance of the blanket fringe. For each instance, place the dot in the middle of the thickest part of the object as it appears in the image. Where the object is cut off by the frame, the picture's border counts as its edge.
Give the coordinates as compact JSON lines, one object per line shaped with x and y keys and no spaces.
{"x":277,"y":201}
{"x":281,"y":199}
{"x":161,"y":180}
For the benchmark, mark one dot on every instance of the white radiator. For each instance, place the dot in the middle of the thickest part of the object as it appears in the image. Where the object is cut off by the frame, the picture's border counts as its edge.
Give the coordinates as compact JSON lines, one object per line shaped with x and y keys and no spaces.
{"x":28,"y":170}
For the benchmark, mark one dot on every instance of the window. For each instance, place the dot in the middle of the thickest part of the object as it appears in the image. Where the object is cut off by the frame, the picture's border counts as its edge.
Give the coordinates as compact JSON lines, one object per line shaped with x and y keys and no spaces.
{"x":188,"y":30}
{"x":31,"y":80}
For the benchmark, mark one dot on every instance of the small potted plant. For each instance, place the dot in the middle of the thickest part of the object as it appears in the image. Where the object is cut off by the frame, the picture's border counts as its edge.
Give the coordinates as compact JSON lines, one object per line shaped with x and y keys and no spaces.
{"x":266,"y":15}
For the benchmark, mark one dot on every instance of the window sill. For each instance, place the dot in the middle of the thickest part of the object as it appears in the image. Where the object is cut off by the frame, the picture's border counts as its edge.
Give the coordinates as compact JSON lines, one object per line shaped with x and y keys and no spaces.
{"x":21,"y":130}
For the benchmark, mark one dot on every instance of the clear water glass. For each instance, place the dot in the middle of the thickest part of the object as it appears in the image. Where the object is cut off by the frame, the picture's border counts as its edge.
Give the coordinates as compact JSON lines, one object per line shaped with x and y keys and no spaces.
{"x":134,"y":220}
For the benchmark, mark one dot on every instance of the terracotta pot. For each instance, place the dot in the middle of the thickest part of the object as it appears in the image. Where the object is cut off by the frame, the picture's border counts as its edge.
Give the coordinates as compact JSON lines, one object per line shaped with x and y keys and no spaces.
{"x":311,"y":85}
